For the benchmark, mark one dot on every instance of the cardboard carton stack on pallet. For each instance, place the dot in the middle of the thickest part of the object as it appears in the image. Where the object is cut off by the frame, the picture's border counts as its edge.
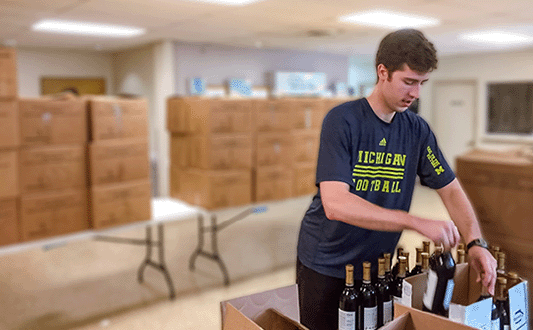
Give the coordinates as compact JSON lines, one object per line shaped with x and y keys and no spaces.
{"x":120,"y":188}
{"x":211,"y":151}
{"x":9,"y":144}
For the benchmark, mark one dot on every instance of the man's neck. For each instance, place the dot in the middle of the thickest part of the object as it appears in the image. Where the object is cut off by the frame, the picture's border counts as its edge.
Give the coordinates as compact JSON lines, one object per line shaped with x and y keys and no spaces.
{"x":379,"y":106}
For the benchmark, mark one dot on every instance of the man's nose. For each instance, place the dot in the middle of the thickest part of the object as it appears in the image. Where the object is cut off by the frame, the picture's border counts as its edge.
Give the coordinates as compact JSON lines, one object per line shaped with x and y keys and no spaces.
{"x":415,"y":91}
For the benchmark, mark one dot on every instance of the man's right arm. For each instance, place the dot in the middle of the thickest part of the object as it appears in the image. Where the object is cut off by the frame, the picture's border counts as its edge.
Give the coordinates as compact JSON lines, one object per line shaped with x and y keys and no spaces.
{"x":341,"y":205}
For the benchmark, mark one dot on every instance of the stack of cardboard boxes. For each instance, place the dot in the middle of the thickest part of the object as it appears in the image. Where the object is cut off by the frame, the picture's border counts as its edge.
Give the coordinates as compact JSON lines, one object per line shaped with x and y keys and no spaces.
{"x":52,"y":167}
{"x":119,"y":167}
{"x":217,"y":145}
{"x":211,"y":151}
{"x":9,"y":144}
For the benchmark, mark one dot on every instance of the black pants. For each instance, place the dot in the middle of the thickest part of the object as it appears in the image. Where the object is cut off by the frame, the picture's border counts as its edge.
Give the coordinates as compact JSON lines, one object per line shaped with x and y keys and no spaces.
{"x":319,"y":298}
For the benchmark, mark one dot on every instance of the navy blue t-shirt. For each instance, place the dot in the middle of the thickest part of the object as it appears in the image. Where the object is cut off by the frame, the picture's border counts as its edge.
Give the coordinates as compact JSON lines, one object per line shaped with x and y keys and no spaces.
{"x":380,"y":162}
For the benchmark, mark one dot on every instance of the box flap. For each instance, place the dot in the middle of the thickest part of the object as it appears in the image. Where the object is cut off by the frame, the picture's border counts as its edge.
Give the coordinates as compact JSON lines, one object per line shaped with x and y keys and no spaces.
{"x":402,"y":322}
{"x":518,"y":306}
{"x":272,"y":319}
{"x":235,"y":320}
{"x":414,"y":288}
{"x":423,"y":320}
{"x":284,"y":299}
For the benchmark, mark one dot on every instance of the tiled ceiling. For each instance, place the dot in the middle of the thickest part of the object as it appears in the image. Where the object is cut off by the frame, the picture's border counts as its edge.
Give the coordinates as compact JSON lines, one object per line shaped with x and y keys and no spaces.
{"x":292,"y":24}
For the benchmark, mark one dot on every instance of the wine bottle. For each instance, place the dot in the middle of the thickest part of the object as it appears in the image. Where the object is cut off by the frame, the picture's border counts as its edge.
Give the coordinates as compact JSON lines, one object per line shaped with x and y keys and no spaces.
{"x":369,"y":306}
{"x":502,"y":303}
{"x":417,"y":269}
{"x":440,"y":284}
{"x":494,"y":250}
{"x":399,"y":252}
{"x":512,"y":279}
{"x":461,"y":246}
{"x":388,"y":274}
{"x":425,"y":262}
{"x":349,"y":303}
{"x":426,"y":245}
{"x":407,"y":271}
{"x":398,"y":281}
{"x":383,"y":294}
{"x":495,"y":315}
{"x":500,"y":271}
{"x":461,"y":256}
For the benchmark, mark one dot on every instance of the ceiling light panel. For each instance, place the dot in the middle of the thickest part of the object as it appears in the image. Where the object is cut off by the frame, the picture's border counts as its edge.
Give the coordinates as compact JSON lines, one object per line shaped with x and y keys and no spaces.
{"x":85,"y":28}
{"x":228,"y":2}
{"x":497,"y":37}
{"x":389,"y":19}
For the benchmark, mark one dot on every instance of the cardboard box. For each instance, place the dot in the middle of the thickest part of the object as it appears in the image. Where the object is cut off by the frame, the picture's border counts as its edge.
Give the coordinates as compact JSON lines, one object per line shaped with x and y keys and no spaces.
{"x":114,"y":161}
{"x":117,"y":118}
{"x":304,"y":145}
{"x":272,"y":149}
{"x":52,"y":168}
{"x":463,"y":307}
{"x":180,"y":150}
{"x":120,"y":203}
{"x":53,"y":213}
{"x":9,"y":178}
{"x":270,"y":310}
{"x":200,"y":115}
{"x":9,"y":221}
{"x":221,"y":151}
{"x":304,"y":178}
{"x":406,"y":318}
{"x":307,"y":113}
{"x":175,"y":181}
{"x":8,"y":73}
{"x":271,"y":116}
{"x":213,"y":189}
{"x":272,"y":183}
{"x":48,"y":121}
{"x":9,"y":124}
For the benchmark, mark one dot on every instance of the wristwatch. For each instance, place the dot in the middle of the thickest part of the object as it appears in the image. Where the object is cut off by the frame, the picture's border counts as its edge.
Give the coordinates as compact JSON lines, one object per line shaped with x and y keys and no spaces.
{"x":477,"y":242}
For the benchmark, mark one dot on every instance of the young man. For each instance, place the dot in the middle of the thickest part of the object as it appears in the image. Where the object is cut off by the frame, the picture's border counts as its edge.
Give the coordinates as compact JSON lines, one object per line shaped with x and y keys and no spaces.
{"x":371,"y":151}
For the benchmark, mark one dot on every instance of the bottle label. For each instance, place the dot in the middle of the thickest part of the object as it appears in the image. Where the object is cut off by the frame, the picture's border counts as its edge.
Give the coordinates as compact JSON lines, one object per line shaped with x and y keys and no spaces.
{"x":370,"y":318}
{"x":346,"y":320}
{"x":506,"y":327}
{"x":387,"y":311}
{"x":495,"y":324}
{"x":429,"y":295}
{"x":397,"y":300}
{"x":449,"y":293}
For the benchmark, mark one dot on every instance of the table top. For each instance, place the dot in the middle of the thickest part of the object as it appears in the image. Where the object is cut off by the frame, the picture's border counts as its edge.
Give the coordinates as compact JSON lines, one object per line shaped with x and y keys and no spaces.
{"x":163,"y":210}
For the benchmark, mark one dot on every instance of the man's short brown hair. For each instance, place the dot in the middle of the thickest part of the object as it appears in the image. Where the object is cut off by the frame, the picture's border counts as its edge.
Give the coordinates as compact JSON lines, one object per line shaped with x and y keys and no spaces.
{"x":407,"y":46}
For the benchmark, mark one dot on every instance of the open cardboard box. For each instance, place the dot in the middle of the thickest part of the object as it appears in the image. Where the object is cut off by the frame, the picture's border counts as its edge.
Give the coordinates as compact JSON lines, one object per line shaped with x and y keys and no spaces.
{"x":463,"y":307}
{"x":270,"y":310}
{"x":407,"y":318}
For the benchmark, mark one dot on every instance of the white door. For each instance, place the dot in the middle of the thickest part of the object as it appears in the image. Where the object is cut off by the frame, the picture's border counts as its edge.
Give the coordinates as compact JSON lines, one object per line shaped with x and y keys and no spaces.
{"x":454,"y":109}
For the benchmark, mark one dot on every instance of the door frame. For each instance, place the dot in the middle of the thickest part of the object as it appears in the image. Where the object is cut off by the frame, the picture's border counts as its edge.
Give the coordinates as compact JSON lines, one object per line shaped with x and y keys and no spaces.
{"x":475,"y":114}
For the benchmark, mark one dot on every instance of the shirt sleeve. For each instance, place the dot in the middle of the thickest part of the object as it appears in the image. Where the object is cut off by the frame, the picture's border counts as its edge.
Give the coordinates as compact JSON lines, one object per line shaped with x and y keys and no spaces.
{"x":334,"y":155}
{"x":433,"y":169}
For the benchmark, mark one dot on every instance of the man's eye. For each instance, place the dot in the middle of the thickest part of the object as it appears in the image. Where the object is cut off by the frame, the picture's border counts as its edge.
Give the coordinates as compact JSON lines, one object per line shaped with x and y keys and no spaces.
{"x":409,"y":82}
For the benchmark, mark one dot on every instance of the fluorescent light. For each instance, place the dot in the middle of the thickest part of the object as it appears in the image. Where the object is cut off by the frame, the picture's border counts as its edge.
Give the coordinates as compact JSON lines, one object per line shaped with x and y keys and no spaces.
{"x":389,"y":19}
{"x":84,"y":28}
{"x":497,"y":37}
{"x":229,"y":2}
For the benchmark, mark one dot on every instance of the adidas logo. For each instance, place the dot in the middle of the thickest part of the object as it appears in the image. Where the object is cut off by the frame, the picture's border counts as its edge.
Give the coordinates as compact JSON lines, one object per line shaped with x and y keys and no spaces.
{"x":383,"y":142}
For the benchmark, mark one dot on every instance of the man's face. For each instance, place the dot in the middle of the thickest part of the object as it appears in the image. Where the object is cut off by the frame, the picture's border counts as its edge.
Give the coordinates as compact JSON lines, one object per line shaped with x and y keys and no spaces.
{"x":402,"y":87}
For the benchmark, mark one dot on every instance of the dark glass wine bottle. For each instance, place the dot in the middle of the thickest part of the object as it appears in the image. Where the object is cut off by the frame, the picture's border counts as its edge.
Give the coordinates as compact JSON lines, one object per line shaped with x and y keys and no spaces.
{"x":388,"y":273}
{"x":425,"y":262}
{"x":500,"y":271}
{"x":461,"y":256}
{"x":383,"y":294}
{"x":440,"y":284}
{"x":398,"y":281}
{"x":369,"y":306}
{"x":495,"y":315}
{"x":461,"y":246}
{"x":407,"y":268}
{"x":399,"y":253}
{"x":349,"y":303}
{"x":502,"y":303}
{"x":494,"y":250}
{"x":512,"y":279}
{"x":417,"y":269}
{"x":426,"y":245}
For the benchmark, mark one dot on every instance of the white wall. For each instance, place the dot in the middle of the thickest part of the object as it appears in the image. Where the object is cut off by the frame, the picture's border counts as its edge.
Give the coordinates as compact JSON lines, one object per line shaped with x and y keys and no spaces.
{"x":35,"y":63}
{"x":484,"y":69}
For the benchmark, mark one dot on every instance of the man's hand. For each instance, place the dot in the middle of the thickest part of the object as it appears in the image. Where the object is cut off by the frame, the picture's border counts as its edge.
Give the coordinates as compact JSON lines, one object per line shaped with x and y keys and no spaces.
{"x":440,"y":232}
{"x":482,"y":260}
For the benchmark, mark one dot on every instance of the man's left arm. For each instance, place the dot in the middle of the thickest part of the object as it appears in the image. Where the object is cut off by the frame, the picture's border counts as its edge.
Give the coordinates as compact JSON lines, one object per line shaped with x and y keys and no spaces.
{"x":462,"y":214}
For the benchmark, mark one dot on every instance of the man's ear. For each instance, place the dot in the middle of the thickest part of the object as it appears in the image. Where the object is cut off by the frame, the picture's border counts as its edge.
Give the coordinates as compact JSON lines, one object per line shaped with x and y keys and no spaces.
{"x":383,"y":72}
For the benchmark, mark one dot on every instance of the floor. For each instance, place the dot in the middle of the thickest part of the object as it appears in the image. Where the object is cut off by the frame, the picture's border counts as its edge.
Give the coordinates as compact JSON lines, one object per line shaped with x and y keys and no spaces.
{"x":93,"y":285}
